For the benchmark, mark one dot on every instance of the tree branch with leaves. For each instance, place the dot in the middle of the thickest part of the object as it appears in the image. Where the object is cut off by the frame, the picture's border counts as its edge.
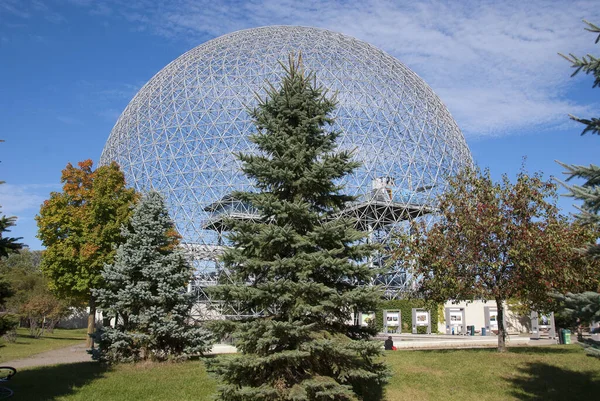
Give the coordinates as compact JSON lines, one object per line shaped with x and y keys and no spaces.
{"x":498,"y":241}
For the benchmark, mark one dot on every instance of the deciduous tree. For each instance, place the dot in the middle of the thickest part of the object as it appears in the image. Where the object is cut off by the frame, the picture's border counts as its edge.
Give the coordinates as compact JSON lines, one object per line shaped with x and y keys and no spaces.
{"x":31,"y":300}
{"x":81,"y":227}
{"x":498,"y":241}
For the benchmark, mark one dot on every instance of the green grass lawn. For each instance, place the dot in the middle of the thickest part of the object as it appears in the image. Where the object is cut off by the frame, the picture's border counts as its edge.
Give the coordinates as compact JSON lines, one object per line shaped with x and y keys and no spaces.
{"x":529,"y":373}
{"x":26,"y":345}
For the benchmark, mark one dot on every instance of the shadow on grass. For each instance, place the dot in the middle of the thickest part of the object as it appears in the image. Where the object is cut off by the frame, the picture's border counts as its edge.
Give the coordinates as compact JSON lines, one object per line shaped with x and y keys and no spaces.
{"x":550,"y":349}
{"x":50,"y":382}
{"x":46,"y":336}
{"x":540,"y":381}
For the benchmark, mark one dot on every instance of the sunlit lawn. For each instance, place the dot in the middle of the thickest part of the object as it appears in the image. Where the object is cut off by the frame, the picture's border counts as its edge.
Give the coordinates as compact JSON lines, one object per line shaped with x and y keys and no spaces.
{"x":528,"y":373}
{"x":25,"y":345}
{"x":532,"y":373}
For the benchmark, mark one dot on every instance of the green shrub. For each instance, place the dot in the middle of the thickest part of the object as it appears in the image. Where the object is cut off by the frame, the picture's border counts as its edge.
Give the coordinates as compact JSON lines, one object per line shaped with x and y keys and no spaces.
{"x":8,"y":323}
{"x":405,"y":307}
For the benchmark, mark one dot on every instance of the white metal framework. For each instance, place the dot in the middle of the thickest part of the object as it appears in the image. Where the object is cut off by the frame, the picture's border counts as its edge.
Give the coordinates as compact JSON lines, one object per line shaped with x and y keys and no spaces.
{"x":180,"y":132}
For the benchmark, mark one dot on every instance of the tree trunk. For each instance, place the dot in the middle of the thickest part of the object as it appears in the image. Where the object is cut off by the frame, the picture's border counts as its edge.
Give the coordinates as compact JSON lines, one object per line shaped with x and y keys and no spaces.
{"x":501,"y":329}
{"x":91,"y":326}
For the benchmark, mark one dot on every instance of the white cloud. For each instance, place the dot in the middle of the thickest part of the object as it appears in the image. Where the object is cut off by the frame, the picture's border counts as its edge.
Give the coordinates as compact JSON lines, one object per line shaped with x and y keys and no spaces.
{"x":494,"y":64}
{"x":25,"y":200}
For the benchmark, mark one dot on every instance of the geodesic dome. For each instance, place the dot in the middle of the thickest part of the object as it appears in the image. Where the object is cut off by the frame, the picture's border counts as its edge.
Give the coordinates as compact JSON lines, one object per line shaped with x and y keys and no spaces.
{"x":180,"y":132}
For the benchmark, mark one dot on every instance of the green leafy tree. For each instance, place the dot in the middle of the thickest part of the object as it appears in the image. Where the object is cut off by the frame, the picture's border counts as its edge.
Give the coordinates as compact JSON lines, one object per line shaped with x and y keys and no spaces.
{"x":301,"y":268}
{"x":43,"y":311}
{"x":8,"y":321}
{"x":498,"y":241}
{"x":31,"y":299}
{"x":80,"y":228}
{"x":22,"y":271}
{"x":145,"y":293}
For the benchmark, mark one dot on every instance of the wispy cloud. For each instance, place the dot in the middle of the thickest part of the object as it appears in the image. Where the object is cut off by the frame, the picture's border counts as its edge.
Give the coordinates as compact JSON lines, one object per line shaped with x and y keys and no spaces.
{"x":109,"y":114}
{"x":28,"y":8}
{"x":17,"y":200}
{"x":47,"y":12}
{"x":107,"y":98}
{"x":13,"y":7}
{"x":493,"y":63}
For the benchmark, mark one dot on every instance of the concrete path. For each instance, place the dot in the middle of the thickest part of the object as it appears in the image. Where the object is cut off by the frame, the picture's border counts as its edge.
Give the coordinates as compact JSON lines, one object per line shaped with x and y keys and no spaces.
{"x":78,"y":353}
{"x":72,"y":354}
{"x":441,"y":341}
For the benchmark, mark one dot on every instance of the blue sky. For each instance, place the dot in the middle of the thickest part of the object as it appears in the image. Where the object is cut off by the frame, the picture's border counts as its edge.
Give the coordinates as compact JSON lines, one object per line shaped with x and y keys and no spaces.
{"x":69,"y":67}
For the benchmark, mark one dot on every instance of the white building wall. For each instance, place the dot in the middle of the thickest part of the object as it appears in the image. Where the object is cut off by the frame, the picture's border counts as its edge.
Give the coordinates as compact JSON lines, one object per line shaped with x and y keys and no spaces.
{"x":475,"y":316}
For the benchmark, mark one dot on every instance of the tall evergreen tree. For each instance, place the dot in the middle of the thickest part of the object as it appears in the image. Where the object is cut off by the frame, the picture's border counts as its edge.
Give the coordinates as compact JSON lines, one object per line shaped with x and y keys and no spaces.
{"x":145,"y":292}
{"x":8,"y":244}
{"x":300,"y":267}
{"x":589,"y":191}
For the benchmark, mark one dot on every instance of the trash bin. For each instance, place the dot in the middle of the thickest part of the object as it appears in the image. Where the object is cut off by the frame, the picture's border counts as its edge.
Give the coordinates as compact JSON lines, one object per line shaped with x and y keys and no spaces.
{"x":561,"y":336}
{"x":483,"y":331}
{"x":567,"y":335}
{"x":471,"y":330}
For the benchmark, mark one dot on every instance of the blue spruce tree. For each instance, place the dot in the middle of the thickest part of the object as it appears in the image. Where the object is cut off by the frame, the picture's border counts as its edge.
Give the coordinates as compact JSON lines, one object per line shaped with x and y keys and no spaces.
{"x":585,"y":307}
{"x":304,"y":269}
{"x":145,"y":293}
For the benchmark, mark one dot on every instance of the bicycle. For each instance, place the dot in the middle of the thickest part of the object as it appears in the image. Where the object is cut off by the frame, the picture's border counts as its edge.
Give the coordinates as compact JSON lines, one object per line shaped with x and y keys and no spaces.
{"x":6,"y":372}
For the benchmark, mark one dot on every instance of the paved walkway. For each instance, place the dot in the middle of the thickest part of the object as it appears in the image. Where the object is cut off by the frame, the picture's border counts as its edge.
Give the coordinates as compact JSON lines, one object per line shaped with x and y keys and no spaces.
{"x":441,"y":341}
{"x":78,"y":353}
{"x":72,"y":354}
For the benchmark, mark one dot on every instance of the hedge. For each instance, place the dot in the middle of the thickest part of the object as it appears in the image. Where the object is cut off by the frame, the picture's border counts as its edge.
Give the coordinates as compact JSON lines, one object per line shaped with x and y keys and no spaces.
{"x":405,"y":307}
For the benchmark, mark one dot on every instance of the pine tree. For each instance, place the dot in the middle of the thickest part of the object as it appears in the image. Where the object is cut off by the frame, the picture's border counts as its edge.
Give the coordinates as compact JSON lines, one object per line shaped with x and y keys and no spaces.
{"x":145,"y":293}
{"x":8,"y":244}
{"x":582,"y":309}
{"x":589,"y":192}
{"x":299,"y":269}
